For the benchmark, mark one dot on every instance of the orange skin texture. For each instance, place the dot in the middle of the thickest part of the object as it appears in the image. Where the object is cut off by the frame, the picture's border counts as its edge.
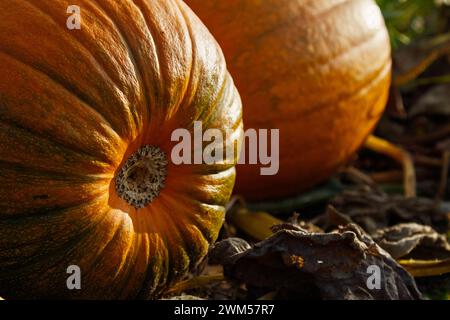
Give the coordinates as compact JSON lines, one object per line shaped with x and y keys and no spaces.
{"x":317,"y":70}
{"x":74,"y":105}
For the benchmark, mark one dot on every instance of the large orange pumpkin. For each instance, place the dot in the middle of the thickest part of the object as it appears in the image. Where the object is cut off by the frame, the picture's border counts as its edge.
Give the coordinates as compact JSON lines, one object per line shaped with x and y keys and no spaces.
{"x":317,"y":70}
{"x":86,"y":117}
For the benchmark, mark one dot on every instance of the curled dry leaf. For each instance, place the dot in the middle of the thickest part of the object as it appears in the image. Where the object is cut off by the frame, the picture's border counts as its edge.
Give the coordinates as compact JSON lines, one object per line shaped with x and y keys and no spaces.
{"x":411,"y":240}
{"x":373,"y":211}
{"x":298,"y":264}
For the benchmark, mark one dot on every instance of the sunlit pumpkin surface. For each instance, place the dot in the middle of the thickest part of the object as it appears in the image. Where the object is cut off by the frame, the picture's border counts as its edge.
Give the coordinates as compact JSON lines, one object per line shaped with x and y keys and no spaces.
{"x":317,"y":70}
{"x":75,"y":106}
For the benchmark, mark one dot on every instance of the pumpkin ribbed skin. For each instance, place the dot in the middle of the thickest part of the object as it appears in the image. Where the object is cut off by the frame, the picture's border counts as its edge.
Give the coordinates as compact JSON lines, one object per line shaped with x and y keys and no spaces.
{"x":74,"y":105}
{"x":317,"y":70}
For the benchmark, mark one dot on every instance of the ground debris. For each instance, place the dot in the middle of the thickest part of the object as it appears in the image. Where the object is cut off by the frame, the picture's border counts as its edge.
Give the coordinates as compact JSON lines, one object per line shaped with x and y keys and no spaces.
{"x":413,"y":241}
{"x":298,"y":264}
{"x":377,"y":210}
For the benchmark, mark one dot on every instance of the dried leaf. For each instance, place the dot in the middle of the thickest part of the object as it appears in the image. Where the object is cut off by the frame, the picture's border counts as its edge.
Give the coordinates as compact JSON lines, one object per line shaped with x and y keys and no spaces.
{"x":332,"y":219}
{"x":299,"y":264}
{"x":412,"y":240}
{"x":375,"y":211}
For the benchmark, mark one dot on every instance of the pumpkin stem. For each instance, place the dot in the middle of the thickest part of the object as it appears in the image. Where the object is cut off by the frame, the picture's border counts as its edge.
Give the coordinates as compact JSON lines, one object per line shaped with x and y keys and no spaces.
{"x":424,"y":268}
{"x":142,"y":177}
{"x":258,"y":225}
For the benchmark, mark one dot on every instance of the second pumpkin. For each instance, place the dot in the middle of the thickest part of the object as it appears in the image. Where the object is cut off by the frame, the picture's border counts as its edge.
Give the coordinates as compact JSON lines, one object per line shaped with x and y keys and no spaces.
{"x":317,"y":70}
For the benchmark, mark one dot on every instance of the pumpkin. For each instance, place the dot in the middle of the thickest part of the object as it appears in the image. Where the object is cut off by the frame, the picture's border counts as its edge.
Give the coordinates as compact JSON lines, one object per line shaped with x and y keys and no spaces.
{"x":319,"y":71}
{"x":88,"y":191}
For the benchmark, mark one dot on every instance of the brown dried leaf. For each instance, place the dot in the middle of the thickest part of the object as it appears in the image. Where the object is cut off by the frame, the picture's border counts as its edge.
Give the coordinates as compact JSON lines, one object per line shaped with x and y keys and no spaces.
{"x":411,"y":240}
{"x":299,"y":264}
{"x":375,"y":211}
